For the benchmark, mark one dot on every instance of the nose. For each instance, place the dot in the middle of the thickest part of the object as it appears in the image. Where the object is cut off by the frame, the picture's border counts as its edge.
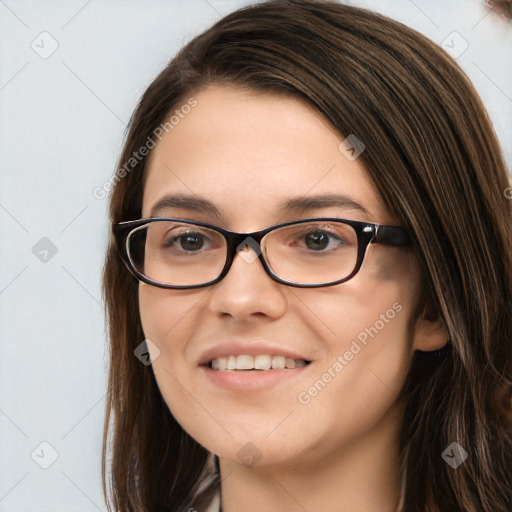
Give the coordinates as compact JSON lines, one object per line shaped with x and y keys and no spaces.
{"x":247,"y":291}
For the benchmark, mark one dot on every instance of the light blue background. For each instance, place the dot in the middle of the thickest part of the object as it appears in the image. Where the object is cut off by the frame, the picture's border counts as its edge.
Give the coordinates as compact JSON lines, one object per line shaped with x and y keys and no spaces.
{"x":62,"y":120}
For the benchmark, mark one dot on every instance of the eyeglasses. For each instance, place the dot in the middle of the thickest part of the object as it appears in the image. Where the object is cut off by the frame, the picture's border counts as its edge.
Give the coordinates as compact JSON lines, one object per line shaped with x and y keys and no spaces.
{"x":182,"y":254}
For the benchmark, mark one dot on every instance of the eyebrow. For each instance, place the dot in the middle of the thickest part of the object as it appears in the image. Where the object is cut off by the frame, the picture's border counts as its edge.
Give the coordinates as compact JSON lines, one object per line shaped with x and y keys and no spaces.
{"x":294,"y":204}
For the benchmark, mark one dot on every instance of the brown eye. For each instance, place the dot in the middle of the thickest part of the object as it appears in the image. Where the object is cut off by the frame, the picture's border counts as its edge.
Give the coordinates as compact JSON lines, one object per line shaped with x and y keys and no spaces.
{"x":188,"y":242}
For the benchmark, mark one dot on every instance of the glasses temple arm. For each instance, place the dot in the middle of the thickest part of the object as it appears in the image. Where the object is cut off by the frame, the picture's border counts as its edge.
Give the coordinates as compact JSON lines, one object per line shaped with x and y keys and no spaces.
{"x":392,"y":235}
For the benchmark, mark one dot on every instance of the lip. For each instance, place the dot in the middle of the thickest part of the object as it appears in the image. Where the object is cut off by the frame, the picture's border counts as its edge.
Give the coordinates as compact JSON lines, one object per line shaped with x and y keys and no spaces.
{"x":247,"y":347}
{"x":256,"y":380}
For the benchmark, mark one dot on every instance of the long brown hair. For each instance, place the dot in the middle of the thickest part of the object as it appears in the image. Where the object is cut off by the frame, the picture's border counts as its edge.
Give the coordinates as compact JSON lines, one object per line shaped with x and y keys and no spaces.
{"x":434,"y":157}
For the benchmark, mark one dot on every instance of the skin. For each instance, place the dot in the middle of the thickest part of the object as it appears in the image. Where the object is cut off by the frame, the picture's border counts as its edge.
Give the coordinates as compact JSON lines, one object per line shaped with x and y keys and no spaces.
{"x":338,"y":451}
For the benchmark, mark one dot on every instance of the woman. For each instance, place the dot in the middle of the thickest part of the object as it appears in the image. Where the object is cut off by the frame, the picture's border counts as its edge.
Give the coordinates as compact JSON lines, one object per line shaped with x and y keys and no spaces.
{"x":355,"y":356}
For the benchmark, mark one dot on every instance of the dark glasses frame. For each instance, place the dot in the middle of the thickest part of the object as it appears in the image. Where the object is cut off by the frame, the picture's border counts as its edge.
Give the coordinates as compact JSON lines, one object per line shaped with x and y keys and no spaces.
{"x":367,"y":233}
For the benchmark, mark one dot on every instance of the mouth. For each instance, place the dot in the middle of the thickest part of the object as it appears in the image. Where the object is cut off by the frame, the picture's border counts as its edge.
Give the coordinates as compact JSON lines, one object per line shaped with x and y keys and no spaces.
{"x":253,"y":374}
{"x":261,"y":363}
{"x":252,"y":364}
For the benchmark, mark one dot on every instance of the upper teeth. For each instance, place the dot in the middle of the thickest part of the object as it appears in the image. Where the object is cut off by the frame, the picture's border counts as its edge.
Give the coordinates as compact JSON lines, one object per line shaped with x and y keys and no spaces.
{"x":263,"y":362}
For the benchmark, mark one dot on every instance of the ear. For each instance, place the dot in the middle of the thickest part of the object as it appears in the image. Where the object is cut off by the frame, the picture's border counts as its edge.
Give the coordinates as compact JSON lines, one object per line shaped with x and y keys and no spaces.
{"x":429,"y":334}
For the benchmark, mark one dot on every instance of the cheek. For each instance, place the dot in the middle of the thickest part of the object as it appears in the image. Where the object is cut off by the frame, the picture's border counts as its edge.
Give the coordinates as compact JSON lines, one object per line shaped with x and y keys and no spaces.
{"x":154,"y":319}
{"x":360,"y":378}
{"x":364,"y":324}
{"x":376,"y":354}
{"x":167,"y":320}
{"x":164,"y":313}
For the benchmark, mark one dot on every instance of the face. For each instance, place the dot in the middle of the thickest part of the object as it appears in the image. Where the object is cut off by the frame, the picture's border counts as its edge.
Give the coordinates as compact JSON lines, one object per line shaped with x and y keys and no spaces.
{"x":247,"y":153}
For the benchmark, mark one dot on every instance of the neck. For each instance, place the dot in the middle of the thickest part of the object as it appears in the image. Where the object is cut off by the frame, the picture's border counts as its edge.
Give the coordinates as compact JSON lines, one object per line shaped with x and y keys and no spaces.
{"x":362,"y":475}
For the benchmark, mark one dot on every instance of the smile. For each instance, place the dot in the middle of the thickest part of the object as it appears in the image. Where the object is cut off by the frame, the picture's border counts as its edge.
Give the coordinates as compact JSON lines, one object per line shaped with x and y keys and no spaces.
{"x":259,"y":362}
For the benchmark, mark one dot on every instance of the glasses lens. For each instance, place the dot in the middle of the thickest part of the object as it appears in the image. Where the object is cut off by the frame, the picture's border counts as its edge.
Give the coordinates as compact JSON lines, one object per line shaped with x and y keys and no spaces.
{"x":313,"y":252}
{"x":177,"y":253}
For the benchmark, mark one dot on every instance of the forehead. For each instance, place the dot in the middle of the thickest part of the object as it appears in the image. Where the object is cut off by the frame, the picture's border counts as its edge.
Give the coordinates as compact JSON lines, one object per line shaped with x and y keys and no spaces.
{"x":250,"y":153}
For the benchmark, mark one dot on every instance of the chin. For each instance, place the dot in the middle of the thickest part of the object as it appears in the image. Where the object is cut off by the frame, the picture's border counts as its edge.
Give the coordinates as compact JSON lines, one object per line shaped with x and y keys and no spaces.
{"x":256,"y":448}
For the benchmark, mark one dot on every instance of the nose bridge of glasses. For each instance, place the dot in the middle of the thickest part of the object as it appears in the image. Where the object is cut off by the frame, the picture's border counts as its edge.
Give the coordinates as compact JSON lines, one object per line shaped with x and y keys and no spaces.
{"x":242,"y":243}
